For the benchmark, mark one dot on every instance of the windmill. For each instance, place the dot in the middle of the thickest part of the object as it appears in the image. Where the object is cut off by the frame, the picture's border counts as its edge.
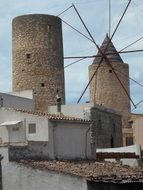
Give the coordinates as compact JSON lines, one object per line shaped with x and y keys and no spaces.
{"x":109,"y":76}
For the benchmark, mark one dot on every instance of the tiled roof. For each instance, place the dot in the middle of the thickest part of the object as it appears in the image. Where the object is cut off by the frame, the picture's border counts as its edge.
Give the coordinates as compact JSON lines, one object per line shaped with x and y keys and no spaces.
{"x":92,"y":171}
{"x":52,"y":117}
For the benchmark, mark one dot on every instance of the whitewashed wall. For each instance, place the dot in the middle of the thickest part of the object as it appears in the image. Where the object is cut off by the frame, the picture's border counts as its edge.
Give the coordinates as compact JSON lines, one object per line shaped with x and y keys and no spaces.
{"x":15,"y":101}
{"x":19,"y":177}
{"x":42,"y":131}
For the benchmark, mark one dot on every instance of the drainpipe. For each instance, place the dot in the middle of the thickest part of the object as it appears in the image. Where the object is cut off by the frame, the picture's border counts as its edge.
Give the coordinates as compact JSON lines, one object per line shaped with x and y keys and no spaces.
{"x":1,"y":101}
{"x":93,"y":135}
{"x":92,"y":141}
{"x":86,"y":156}
{"x":1,"y":188}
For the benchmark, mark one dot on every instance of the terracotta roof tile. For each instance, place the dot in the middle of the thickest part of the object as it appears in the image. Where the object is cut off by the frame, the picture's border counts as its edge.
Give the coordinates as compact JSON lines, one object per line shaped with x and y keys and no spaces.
{"x":52,"y":117}
{"x":92,"y":171}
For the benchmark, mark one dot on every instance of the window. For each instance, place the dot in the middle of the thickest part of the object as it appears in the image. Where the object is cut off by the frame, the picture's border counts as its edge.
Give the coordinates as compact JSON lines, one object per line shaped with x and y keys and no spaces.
{"x":114,"y":127}
{"x":110,"y":71}
{"x":15,"y":128}
{"x":130,"y":124}
{"x":31,"y":128}
{"x":99,"y":123}
{"x":42,"y":84}
{"x":112,"y":142}
{"x":129,"y":141}
{"x":49,"y":27}
{"x":28,"y":55}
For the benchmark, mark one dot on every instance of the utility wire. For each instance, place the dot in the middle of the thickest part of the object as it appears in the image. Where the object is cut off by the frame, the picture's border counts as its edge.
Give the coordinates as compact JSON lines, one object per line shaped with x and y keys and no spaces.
{"x":73,"y":63}
{"x":65,"y":10}
{"x":137,"y":104}
{"x":132,"y":51}
{"x":114,"y":69}
{"x":77,"y":30}
{"x":129,"y":77}
{"x":93,"y":56}
{"x":131,"y":44}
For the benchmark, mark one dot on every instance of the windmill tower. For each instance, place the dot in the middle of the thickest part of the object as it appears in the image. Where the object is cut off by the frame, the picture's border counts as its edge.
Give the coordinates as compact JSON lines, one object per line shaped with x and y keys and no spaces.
{"x":105,"y":88}
{"x":38,"y":58}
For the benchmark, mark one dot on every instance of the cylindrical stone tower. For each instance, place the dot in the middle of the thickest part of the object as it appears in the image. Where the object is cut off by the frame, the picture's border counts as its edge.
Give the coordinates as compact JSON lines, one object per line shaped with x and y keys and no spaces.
{"x":37,"y":49}
{"x":105,"y":89}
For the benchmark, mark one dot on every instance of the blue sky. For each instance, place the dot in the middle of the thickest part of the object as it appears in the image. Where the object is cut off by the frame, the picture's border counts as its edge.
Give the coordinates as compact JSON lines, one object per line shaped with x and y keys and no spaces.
{"x":95,"y":15}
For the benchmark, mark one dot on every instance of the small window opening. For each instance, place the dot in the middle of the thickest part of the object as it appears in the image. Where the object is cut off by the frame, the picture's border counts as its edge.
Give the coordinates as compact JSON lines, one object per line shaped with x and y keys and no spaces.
{"x":99,"y":123}
{"x":42,"y":84}
{"x":32,"y":128}
{"x":114,"y":127}
{"x":110,"y":71}
{"x":112,"y":142}
{"x":129,"y":141}
{"x":130,"y":124}
{"x":28,"y":55}
{"x":15,"y":128}
{"x":49,"y":27}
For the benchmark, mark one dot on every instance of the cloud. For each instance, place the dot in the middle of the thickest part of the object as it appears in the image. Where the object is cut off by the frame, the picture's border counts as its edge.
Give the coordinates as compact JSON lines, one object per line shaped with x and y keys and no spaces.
{"x":95,"y":15}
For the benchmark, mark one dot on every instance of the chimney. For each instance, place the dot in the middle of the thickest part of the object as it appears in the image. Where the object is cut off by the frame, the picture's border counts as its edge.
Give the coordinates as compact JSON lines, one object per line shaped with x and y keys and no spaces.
{"x":58,"y":102}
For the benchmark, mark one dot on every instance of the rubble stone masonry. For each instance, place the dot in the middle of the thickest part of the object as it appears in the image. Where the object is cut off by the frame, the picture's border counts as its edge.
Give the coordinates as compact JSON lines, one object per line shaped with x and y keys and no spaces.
{"x":107,"y":130}
{"x":38,"y":58}
{"x":105,"y":88}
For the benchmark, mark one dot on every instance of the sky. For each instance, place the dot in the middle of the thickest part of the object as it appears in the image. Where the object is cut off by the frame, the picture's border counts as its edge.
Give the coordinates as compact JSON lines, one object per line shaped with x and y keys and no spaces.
{"x":95,"y":15}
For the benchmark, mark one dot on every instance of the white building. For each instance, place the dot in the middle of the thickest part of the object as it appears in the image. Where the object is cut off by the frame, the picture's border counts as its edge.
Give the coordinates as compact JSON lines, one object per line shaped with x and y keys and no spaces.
{"x":18,"y":100}
{"x":43,"y":135}
{"x":35,"y":135}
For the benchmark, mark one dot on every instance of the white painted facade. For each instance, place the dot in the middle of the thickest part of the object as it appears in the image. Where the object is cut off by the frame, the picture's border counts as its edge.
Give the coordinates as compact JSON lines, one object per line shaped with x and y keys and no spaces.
{"x":73,"y":110}
{"x":71,"y":140}
{"x":127,"y":149}
{"x":16,"y":101}
{"x":18,"y":177}
{"x":55,"y":139}
{"x":24,"y":94}
{"x":79,"y":110}
{"x":20,"y":132}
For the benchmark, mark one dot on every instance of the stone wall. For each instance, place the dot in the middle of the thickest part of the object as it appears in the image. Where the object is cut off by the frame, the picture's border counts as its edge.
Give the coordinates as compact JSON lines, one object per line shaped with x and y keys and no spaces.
{"x":106,"y":90}
{"x":38,"y":58}
{"x":32,"y":151}
{"x":106,"y":128}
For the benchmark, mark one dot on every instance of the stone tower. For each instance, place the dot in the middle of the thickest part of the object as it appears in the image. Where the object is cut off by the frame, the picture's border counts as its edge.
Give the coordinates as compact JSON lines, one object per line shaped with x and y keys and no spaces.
{"x":37,"y":49}
{"x":105,"y":88}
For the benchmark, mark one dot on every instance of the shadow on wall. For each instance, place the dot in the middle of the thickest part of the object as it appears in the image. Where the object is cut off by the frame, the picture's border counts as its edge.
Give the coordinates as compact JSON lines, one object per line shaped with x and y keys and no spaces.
{"x":33,"y":151}
{"x":1,"y":173}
